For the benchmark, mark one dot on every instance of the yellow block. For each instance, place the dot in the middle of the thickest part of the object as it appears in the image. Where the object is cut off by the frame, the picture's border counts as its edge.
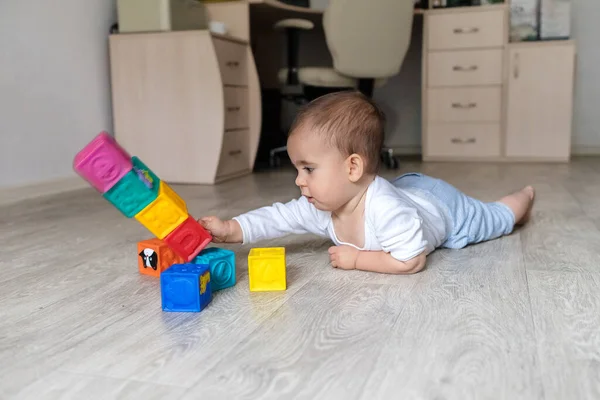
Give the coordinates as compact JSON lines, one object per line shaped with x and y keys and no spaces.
{"x":165,"y":213}
{"x":266,"y":269}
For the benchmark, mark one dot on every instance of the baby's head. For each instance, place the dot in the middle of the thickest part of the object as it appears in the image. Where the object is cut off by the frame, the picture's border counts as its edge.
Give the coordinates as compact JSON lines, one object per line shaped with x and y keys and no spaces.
{"x":335,"y":143}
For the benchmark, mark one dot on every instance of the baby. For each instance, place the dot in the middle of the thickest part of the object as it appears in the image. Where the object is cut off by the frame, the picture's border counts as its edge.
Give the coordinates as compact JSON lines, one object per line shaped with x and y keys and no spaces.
{"x":376,"y":225}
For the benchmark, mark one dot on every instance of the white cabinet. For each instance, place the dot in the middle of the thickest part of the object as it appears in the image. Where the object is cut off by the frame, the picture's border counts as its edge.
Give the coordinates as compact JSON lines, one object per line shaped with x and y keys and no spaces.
{"x":539,"y":100}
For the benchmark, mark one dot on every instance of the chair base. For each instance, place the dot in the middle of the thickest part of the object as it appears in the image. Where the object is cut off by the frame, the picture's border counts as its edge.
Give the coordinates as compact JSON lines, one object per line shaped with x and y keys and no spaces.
{"x":388,"y":158}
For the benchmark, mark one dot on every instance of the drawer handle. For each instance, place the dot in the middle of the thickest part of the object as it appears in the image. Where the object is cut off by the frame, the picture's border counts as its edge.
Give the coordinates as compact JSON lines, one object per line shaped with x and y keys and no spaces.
{"x":232,"y":63}
{"x":459,"y":105}
{"x":461,"y":68}
{"x":233,"y":108}
{"x":461,"y":141}
{"x":235,"y":152}
{"x":460,"y":31}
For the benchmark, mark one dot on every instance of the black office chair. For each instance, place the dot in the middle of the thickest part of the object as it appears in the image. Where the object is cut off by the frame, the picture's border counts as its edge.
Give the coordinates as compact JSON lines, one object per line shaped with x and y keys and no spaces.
{"x":368,"y":41}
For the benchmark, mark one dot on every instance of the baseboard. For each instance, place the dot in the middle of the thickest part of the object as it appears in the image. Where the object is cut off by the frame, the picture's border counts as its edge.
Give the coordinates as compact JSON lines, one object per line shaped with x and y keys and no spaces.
{"x":585,"y":150}
{"x":407,"y":150}
{"x":12,"y":195}
{"x":575,"y":150}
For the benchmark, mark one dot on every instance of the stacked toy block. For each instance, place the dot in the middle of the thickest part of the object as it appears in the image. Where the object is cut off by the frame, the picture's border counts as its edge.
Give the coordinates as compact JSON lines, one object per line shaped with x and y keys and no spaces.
{"x":128,"y":184}
{"x":186,"y":288}
{"x":155,"y":257}
{"x":222,"y":266}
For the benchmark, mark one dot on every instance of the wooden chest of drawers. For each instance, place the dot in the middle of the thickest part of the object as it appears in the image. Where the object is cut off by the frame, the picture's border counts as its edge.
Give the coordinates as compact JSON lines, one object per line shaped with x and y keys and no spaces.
{"x":188,"y":102}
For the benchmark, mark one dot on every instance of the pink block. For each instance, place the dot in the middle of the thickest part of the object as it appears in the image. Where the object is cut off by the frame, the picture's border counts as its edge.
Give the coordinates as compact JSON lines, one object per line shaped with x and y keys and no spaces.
{"x":102,"y":162}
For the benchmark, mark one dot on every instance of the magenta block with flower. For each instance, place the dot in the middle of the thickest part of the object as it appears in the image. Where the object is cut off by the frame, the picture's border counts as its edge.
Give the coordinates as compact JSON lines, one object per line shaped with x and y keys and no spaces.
{"x":103,"y":162}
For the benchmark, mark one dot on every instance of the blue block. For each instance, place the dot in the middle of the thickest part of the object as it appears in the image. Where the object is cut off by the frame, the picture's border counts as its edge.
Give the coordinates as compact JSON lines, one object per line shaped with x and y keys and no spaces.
{"x":185,"y":288}
{"x":222,"y":266}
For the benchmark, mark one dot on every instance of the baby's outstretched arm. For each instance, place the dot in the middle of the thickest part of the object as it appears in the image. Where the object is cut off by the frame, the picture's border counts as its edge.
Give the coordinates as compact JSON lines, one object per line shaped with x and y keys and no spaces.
{"x":348,"y":257}
{"x":296,"y":216}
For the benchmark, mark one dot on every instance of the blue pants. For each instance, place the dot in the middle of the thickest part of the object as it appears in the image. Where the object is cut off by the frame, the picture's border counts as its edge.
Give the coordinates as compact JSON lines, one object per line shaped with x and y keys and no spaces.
{"x":471,"y":220}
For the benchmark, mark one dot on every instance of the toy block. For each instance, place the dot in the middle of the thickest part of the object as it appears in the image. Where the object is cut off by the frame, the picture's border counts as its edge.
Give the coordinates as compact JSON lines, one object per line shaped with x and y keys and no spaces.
{"x":188,"y":239}
{"x":146,"y":175}
{"x":185,"y":288}
{"x":130,"y":195}
{"x":222,"y":266}
{"x":155,"y":256}
{"x":166,"y":212}
{"x":102,"y":162}
{"x":267,"y":269}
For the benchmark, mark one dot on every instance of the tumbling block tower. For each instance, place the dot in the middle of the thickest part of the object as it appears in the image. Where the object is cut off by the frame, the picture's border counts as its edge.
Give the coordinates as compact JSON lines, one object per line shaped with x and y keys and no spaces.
{"x":185,"y":288}
{"x":154,"y":257}
{"x":129,"y":185}
{"x":267,"y":269}
{"x":222,"y":266}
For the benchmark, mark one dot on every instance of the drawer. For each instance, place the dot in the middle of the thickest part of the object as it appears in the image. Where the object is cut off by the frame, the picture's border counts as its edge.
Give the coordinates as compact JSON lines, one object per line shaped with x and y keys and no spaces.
{"x":464,"y":68}
{"x":475,"y":140}
{"x":233,"y":62}
{"x":236,"y":107}
{"x":234,"y":153}
{"x":464,"y":104}
{"x":466,"y":30}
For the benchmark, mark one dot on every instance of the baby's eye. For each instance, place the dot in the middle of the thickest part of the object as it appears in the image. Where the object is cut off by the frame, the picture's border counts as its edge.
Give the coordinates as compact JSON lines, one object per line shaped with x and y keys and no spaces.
{"x":308,"y":169}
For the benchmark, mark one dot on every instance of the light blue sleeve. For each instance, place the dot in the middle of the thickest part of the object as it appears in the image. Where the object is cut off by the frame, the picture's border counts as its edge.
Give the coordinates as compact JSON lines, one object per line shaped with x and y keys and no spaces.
{"x":297,"y":216}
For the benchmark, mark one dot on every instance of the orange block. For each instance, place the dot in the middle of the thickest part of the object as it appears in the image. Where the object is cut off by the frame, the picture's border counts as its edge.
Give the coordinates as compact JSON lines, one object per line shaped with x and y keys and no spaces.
{"x":154,"y":256}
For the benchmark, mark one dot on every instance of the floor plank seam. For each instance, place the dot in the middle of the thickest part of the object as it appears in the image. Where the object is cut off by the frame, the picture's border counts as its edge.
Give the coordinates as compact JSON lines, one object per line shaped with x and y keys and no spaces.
{"x":537,"y":364}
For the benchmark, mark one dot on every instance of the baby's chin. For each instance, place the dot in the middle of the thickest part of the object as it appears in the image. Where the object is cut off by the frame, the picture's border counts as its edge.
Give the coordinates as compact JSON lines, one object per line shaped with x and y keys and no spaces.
{"x":321,"y":207}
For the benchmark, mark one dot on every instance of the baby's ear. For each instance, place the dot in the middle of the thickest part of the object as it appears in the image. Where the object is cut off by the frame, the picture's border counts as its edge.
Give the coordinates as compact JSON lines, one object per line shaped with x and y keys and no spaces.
{"x":356,"y":167}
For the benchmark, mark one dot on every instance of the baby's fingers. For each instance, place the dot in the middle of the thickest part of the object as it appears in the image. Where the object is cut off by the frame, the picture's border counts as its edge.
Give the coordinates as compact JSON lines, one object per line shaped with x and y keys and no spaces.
{"x":206,"y":222}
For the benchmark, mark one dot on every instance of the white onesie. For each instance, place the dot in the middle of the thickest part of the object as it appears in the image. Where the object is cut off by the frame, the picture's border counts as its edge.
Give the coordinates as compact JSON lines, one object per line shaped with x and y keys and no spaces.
{"x":396,"y":221}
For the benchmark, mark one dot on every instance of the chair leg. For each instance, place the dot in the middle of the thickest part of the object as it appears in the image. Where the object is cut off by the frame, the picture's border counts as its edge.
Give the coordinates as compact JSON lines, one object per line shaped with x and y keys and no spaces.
{"x":366,"y":86}
{"x":273,"y":159}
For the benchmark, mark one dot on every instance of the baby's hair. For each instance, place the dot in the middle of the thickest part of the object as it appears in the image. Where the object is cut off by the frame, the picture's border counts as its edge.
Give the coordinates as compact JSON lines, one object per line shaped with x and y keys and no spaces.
{"x":349,"y":121}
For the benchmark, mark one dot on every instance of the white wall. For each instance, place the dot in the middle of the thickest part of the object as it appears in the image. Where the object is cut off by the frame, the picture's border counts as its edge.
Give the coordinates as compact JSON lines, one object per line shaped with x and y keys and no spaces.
{"x":54,"y":85}
{"x":586,"y":31}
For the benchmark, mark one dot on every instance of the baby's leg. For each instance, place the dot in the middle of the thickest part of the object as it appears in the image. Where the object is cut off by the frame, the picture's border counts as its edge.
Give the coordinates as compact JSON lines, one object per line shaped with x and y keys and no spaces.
{"x":520,"y":203}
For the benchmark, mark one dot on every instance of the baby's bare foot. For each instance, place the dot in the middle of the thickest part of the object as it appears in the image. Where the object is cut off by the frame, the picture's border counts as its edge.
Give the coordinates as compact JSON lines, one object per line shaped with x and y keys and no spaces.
{"x":531,"y":193}
{"x":521,"y":203}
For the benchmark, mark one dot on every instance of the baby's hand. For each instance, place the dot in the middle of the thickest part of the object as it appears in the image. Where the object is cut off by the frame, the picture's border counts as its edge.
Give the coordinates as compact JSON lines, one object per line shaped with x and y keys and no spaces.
{"x":343,"y":257}
{"x":221,"y":231}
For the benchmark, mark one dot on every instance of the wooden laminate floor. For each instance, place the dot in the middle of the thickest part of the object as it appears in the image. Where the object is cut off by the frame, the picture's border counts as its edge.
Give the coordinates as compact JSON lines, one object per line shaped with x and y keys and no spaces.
{"x":514,"y":318}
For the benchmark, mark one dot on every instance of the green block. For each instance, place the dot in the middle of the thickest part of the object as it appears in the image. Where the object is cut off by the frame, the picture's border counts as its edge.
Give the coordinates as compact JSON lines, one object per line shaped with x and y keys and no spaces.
{"x":131,"y":194}
{"x":146,"y":175}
